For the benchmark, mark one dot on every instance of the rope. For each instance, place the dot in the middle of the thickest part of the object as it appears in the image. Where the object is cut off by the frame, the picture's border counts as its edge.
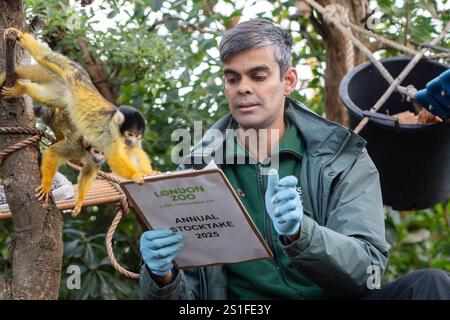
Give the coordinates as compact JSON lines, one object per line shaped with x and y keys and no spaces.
{"x":121,"y":211}
{"x":122,"y":206}
{"x":390,"y":43}
{"x":330,"y":15}
{"x":21,"y":144}
{"x":401,"y":77}
{"x":338,"y":11}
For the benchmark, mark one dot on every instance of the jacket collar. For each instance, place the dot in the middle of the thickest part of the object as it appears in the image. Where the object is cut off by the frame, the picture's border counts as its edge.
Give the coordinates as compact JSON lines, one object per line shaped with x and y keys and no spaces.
{"x":322,"y":138}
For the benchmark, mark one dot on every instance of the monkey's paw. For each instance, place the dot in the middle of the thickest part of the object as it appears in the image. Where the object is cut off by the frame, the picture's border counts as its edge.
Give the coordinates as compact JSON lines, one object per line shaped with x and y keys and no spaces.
{"x":9,"y":31}
{"x":14,"y":91}
{"x":76,"y":210}
{"x":138,"y":178}
{"x":42,"y":193}
{"x":147,"y":171}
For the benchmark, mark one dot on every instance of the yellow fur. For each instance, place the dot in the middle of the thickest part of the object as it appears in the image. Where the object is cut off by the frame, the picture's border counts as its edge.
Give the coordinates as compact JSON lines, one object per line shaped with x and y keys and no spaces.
{"x":70,"y":146}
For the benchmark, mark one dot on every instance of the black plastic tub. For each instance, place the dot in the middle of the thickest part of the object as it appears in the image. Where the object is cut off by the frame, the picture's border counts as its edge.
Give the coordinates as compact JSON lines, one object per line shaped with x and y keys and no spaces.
{"x":413,"y":160}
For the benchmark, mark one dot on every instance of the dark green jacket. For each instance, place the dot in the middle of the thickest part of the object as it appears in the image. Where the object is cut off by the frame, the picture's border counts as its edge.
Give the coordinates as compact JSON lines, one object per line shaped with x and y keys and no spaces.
{"x":342,"y":233}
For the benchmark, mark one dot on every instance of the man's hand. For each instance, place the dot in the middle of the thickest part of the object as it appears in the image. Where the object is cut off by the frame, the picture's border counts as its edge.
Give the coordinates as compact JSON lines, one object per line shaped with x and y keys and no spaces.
{"x":283,"y":204}
{"x":436,"y":96}
{"x":159,"y":248}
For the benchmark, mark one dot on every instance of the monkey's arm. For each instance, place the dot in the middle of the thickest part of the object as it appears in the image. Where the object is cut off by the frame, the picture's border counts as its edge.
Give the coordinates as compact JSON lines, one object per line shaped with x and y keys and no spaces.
{"x":121,"y":165}
{"x":34,"y":73}
{"x":51,"y":160}
{"x":57,"y":63}
{"x":143,"y":160}
{"x":39,"y":92}
{"x":87,"y":174}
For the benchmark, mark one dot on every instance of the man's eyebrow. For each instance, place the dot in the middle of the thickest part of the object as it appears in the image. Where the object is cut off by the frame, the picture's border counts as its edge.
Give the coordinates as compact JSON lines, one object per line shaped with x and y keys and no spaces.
{"x":262,"y":67}
{"x":259,"y":68}
{"x":229,"y":71}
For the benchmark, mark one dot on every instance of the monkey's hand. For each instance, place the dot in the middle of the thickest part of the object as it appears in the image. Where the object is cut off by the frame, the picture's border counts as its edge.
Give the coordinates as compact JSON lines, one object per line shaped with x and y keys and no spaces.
{"x":138,"y":178}
{"x":15,"y":91}
{"x":76,"y":210}
{"x":43,"y":193}
{"x":12,"y":30}
{"x":149,"y":171}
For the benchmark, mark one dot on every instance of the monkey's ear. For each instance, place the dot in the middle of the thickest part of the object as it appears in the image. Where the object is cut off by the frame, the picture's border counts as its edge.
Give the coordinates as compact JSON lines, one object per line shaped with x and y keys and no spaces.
{"x":118,"y":118}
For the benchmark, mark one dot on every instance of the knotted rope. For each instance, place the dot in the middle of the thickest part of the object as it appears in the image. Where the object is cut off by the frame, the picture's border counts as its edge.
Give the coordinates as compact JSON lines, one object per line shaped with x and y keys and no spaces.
{"x":332,"y":14}
{"x":338,"y":11}
{"x":121,"y":208}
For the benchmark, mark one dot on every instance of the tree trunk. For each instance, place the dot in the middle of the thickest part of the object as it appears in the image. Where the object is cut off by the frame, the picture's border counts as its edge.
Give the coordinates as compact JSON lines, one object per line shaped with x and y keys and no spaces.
{"x":336,"y":57}
{"x":37,"y":247}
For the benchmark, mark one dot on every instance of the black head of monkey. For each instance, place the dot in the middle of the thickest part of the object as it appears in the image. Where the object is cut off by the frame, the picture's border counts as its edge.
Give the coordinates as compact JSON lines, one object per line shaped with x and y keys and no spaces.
{"x":133,"y":126}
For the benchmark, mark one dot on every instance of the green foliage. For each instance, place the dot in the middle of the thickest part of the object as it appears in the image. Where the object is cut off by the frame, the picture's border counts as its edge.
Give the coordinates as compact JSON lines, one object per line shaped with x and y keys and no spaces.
{"x":5,"y":244}
{"x":418,"y":240}
{"x":168,"y":67}
{"x":84,"y":246}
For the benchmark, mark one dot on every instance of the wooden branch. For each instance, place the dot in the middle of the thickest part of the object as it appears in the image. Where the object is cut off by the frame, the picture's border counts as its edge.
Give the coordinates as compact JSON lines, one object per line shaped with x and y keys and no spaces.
{"x":165,"y":19}
{"x":376,"y":46}
{"x":11,"y":38}
{"x":96,"y":70}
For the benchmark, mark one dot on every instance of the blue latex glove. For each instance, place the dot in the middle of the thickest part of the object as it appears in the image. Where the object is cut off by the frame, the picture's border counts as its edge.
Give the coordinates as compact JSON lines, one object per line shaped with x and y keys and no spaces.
{"x":159,"y":248}
{"x":436,"y":97}
{"x":283,"y":203}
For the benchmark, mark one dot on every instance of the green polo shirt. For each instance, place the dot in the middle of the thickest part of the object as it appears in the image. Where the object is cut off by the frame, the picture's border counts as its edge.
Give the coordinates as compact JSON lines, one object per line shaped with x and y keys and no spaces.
{"x":275,"y":278}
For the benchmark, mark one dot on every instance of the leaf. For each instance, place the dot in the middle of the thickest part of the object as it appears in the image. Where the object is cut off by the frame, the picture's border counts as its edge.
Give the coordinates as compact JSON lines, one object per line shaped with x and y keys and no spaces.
{"x":89,"y":257}
{"x":156,"y":4}
{"x":111,"y":14}
{"x":71,"y":248}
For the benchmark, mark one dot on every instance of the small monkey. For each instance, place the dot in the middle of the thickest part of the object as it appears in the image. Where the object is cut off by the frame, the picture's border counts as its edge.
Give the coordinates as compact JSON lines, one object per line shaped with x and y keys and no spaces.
{"x":71,"y":146}
{"x":133,"y":131}
{"x":59,"y":82}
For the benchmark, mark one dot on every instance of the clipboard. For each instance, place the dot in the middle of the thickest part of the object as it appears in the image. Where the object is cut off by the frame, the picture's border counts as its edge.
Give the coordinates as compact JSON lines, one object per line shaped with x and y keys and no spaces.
{"x":202,"y":205}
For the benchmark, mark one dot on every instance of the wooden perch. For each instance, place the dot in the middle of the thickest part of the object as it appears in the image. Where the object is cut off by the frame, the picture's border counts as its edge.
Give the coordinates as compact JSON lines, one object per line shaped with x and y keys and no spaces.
{"x":10,"y":68}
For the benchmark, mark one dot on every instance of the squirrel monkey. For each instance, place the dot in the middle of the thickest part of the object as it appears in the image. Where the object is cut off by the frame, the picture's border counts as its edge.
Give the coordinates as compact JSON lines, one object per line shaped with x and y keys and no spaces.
{"x":133,"y":131}
{"x":59,"y":82}
{"x":72,"y":146}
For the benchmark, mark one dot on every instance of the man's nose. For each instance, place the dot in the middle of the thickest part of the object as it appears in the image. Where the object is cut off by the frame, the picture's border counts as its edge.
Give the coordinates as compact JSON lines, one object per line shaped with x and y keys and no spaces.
{"x":245,"y":86}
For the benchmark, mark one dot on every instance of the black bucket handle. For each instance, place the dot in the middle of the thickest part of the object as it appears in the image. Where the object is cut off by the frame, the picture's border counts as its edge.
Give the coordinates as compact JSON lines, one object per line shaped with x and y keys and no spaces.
{"x":383,"y":119}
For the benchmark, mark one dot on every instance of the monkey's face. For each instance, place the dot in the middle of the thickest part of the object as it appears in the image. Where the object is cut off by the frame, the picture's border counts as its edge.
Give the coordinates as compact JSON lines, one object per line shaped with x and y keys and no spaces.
{"x":96,"y":155}
{"x":132,"y":137}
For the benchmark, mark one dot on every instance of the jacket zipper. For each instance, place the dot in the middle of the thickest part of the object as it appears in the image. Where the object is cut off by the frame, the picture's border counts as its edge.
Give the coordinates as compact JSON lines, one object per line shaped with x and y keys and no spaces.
{"x":321,"y":178}
{"x":203,"y":285}
{"x":319,"y":195}
{"x":269,"y":233}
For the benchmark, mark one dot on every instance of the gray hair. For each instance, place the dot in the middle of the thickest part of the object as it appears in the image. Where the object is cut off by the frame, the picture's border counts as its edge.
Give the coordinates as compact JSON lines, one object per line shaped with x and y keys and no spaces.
{"x":258,"y":33}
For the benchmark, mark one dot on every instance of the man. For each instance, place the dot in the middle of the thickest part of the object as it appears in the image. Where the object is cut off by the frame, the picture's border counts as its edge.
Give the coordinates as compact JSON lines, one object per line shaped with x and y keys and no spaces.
{"x":328,"y":238}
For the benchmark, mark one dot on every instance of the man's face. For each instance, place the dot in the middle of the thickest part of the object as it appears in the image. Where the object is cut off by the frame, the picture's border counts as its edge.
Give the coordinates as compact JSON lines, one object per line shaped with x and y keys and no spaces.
{"x":254,"y":90}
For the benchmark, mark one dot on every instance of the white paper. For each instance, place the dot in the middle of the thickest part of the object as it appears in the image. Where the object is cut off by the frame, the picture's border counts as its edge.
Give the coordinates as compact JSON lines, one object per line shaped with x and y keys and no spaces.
{"x":214,"y":227}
